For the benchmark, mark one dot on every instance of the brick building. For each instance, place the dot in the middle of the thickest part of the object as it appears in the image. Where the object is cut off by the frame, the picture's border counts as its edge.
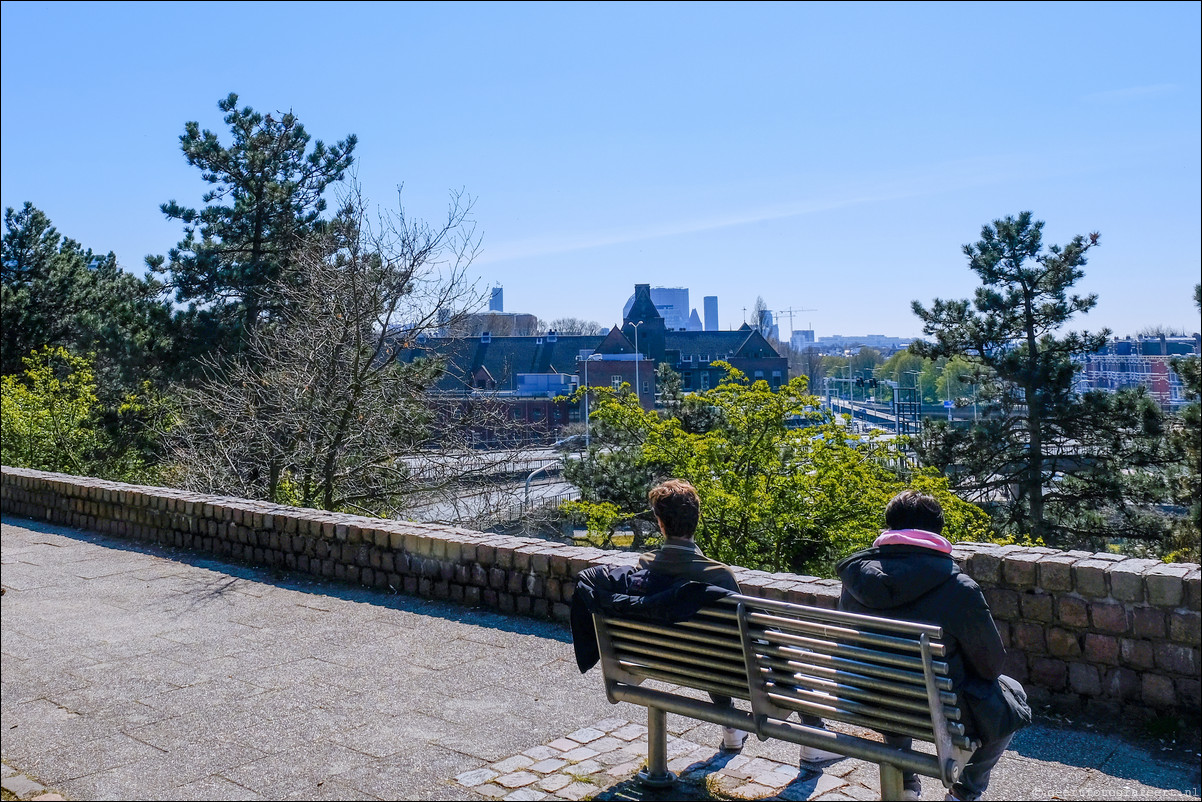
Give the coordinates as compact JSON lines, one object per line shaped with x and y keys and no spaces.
{"x":530,"y":373}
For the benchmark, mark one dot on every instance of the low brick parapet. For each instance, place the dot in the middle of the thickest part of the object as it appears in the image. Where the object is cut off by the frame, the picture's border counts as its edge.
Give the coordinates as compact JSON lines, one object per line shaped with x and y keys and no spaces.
{"x":1107,"y":634}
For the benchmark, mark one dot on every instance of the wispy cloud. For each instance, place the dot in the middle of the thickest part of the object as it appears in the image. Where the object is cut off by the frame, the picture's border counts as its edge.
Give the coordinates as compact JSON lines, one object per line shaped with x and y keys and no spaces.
{"x":1129,"y":93}
{"x":930,"y":180}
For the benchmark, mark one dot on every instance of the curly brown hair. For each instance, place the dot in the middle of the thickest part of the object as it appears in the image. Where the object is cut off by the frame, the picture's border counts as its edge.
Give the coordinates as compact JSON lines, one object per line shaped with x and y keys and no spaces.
{"x":677,"y":506}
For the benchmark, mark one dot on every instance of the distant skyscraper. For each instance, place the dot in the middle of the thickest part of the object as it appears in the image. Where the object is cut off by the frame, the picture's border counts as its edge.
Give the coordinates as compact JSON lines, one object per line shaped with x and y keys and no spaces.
{"x":802,"y":339}
{"x":711,"y":312}
{"x":672,"y":303}
{"x":496,"y":301}
{"x":694,"y":321}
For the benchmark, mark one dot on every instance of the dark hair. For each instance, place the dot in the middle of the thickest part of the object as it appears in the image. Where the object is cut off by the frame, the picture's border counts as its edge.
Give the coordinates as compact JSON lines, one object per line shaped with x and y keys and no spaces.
{"x":910,"y":509}
{"x":677,"y":506}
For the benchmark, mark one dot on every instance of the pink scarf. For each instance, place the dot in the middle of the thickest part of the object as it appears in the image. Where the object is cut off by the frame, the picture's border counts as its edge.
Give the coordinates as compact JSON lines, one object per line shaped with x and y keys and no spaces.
{"x":913,"y":537}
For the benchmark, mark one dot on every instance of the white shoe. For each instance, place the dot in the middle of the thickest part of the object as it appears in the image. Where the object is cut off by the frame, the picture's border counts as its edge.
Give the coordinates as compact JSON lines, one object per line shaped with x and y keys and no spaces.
{"x":812,"y":754}
{"x":732,"y":739}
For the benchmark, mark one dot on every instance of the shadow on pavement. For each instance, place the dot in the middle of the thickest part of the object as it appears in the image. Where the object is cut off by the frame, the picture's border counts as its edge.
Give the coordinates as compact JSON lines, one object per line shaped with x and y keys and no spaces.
{"x":1171,"y":767}
{"x":695,"y":783}
{"x":304,"y":583}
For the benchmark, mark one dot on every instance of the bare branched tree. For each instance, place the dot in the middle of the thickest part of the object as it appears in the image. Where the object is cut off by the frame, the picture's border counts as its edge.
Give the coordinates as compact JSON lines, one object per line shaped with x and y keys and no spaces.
{"x":574,"y":325}
{"x":317,"y":410}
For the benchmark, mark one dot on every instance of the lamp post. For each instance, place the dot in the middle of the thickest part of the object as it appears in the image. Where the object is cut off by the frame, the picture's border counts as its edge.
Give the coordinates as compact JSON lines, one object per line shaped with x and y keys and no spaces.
{"x":587,"y":359}
{"x":638,"y":390}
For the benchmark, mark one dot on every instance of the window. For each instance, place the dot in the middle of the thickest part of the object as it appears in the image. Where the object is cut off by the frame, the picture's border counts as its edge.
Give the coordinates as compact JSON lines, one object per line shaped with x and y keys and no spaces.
{"x":574,"y":415}
{"x":705,"y":380}
{"x":517,"y":413}
{"x":686,"y":381}
{"x":646,"y":388}
{"x":687,"y":359}
{"x":615,"y":382}
{"x":704,"y":358}
{"x":759,"y":375}
{"x":776,"y":378}
{"x":537,"y":414}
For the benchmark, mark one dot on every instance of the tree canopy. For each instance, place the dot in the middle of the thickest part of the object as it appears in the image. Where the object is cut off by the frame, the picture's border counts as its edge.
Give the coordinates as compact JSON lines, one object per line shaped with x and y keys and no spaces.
{"x":267,"y":196}
{"x":783,"y":486}
{"x":1055,"y":464}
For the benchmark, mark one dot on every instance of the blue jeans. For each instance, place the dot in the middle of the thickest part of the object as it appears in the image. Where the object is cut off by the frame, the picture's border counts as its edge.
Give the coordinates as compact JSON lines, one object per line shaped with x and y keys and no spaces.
{"x":975,"y":777}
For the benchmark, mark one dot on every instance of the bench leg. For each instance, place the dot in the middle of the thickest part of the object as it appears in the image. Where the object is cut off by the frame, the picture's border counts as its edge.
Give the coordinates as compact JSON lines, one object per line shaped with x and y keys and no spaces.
{"x":891,"y":782}
{"x":656,"y":775}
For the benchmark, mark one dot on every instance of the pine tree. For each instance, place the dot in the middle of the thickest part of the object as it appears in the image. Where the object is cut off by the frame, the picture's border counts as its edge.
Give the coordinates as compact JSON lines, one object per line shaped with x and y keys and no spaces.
{"x":1058,"y":465}
{"x":265,"y":202}
{"x":57,"y":293}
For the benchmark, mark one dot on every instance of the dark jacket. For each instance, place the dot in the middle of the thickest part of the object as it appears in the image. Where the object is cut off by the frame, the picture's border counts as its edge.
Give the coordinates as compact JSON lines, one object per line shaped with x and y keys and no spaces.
{"x":913,"y":583}
{"x":687,"y":562}
{"x":628,"y":593}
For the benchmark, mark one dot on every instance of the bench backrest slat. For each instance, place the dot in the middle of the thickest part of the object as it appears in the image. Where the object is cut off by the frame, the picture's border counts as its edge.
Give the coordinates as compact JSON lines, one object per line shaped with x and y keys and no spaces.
{"x":808,"y":658}
{"x":842,"y":633}
{"x":835,"y":647}
{"x":862,"y":675}
{"x":851,"y":688}
{"x":686,"y":680}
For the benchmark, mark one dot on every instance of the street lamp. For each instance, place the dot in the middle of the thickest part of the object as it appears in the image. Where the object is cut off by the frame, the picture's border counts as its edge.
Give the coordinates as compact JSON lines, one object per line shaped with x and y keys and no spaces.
{"x":586,"y":360}
{"x":638,"y":392}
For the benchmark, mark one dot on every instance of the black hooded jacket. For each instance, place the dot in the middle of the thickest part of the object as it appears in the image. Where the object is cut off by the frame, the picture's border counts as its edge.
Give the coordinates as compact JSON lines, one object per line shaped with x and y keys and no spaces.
{"x":918,"y":584}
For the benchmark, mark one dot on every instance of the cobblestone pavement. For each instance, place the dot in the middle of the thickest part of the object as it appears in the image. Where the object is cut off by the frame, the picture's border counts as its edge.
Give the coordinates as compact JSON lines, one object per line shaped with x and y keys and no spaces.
{"x":150,"y":674}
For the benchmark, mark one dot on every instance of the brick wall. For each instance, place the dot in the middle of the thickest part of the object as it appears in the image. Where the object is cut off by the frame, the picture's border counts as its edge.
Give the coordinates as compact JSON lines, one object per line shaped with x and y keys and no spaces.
{"x":1099,"y":633}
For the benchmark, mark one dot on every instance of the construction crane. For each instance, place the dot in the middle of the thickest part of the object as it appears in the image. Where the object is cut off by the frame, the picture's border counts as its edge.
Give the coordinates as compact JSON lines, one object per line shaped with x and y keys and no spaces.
{"x":790,"y":312}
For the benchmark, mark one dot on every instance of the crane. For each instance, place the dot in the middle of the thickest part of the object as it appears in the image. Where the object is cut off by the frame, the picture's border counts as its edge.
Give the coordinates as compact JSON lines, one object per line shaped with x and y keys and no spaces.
{"x":790,"y":312}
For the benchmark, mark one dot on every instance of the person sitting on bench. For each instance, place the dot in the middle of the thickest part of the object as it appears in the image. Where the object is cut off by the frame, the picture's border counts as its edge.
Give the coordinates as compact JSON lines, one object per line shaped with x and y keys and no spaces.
{"x":909,"y":574}
{"x":677,"y":508}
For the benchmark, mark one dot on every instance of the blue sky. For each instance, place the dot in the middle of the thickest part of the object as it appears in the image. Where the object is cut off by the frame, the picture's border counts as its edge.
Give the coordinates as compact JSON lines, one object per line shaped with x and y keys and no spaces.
{"x":825,"y":156}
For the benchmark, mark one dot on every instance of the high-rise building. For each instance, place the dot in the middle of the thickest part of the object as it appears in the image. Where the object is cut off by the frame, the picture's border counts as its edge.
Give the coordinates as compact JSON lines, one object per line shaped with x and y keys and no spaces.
{"x":672,"y":303}
{"x":496,"y":301}
{"x":802,"y":339}
{"x":711,"y":312}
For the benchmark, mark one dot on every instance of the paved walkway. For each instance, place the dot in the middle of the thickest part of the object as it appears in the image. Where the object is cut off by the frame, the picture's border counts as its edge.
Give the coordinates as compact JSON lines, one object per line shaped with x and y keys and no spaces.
{"x":144,"y":673}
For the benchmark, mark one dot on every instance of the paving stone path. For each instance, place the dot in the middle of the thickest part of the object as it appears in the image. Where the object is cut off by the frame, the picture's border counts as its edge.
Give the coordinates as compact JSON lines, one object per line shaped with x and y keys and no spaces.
{"x":597,"y":762}
{"x":135,"y":673}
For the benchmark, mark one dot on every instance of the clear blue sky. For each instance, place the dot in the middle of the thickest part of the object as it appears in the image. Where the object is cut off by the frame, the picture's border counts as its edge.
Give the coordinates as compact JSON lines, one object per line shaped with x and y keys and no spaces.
{"x":834,"y":157}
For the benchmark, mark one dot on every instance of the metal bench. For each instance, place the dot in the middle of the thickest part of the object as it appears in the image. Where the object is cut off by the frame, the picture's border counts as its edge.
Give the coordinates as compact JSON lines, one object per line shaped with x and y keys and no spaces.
{"x":782,"y":658}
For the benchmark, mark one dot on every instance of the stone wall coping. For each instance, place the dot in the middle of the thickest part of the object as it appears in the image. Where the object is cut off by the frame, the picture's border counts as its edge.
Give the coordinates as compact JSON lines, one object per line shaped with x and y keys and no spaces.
{"x":1108,"y":633}
{"x":1013,"y":554}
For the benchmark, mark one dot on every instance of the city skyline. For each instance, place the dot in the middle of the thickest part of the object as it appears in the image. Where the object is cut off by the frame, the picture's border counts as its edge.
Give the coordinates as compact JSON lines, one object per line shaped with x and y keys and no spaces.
{"x":828,"y":157}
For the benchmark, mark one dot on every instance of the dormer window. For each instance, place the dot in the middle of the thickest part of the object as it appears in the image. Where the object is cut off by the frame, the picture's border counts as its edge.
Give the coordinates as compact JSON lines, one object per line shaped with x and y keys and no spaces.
{"x":486,"y":338}
{"x":551,"y":336}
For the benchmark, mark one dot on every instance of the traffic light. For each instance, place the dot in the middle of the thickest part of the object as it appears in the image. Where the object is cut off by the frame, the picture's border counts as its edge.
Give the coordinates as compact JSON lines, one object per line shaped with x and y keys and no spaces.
{"x":859,"y":381}
{"x":872,"y":383}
